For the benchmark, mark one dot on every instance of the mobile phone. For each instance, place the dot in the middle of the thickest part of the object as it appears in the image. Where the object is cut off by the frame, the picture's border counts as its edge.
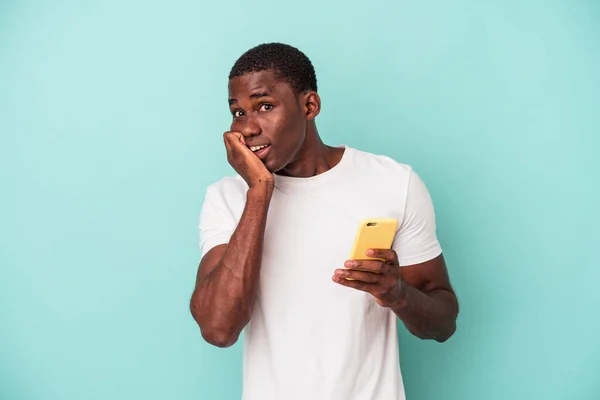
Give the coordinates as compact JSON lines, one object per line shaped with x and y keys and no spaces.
{"x":374,"y":233}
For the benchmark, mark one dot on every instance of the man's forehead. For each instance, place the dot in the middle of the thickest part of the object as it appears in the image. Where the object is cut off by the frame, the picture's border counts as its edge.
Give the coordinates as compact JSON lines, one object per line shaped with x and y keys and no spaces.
{"x":264,"y":81}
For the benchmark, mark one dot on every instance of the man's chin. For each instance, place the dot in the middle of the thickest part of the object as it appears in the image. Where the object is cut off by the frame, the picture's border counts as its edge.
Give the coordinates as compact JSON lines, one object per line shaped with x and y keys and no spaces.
{"x":271,"y":167}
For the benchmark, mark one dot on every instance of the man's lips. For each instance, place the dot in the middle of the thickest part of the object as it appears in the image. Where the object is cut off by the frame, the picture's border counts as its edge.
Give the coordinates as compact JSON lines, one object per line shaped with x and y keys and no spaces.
{"x":255,"y":147}
{"x":261,"y":151}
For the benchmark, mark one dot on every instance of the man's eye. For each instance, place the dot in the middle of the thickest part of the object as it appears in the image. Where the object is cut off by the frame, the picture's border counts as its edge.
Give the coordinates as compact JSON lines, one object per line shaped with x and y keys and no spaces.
{"x":238,"y":114}
{"x":266,"y":107}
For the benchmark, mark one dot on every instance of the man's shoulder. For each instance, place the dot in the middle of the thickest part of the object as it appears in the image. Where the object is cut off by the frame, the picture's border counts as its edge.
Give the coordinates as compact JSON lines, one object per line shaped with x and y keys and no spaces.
{"x":380,"y":163}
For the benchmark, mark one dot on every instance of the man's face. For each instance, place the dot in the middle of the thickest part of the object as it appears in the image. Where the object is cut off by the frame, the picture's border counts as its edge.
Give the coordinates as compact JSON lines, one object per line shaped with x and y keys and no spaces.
{"x":268,"y":112}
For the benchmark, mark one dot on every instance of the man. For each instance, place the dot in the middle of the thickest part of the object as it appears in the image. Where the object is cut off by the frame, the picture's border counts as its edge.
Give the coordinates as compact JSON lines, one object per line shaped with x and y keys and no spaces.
{"x":275,"y":238}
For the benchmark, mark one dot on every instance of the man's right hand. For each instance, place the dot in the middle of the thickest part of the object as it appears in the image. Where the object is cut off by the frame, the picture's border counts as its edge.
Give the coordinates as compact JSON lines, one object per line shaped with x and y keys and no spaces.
{"x":245,"y":162}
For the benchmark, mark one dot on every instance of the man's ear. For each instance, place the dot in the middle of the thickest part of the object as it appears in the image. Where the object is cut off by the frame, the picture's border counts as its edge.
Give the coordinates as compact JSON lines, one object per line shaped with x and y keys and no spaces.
{"x":311,"y":102}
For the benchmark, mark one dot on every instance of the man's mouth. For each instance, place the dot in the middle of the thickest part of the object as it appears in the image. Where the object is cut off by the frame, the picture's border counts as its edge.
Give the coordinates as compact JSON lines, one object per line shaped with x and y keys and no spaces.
{"x":257,"y":148}
{"x":261,"y":151}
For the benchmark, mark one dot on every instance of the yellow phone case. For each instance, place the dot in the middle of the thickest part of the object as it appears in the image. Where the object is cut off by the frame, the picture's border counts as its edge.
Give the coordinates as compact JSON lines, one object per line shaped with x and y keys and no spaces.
{"x":374,"y":233}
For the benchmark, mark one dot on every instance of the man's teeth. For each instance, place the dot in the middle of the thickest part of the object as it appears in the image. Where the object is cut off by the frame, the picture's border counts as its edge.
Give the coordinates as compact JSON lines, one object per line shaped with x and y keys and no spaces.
{"x":256,"y":148}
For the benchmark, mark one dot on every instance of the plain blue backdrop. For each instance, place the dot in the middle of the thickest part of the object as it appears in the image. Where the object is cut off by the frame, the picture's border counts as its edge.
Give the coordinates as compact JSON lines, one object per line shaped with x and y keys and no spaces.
{"x":111,"y":121}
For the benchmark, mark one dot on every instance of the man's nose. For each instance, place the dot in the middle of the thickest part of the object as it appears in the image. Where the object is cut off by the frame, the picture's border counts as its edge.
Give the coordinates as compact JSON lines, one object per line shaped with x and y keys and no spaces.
{"x":251,"y":127}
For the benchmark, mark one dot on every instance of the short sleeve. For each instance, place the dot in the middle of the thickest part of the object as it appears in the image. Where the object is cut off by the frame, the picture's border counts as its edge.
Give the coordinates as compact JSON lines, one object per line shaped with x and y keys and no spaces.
{"x":416,"y":240}
{"x":216,"y":225}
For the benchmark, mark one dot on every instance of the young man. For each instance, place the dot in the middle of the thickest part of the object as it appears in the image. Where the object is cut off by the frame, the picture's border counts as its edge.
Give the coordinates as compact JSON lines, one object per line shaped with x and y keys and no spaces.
{"x":275,"y":238}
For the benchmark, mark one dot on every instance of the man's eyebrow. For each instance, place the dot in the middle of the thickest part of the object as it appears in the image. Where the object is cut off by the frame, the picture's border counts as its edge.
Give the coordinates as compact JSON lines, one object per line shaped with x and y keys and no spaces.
{"x":259,"y":95}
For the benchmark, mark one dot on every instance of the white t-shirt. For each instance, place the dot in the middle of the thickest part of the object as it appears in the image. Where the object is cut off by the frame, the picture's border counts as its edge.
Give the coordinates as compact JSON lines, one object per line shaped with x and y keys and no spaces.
{"x":310,"y":338}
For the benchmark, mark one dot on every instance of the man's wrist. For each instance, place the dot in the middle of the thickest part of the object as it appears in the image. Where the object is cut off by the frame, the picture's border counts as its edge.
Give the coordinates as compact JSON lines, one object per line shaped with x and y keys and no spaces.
{"x":399,"y":300}
{"x":263,"y":190}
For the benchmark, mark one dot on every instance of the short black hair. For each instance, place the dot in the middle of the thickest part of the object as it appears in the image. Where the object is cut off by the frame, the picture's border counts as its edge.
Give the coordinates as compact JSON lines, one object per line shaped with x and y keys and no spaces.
{"x":290,"y":65}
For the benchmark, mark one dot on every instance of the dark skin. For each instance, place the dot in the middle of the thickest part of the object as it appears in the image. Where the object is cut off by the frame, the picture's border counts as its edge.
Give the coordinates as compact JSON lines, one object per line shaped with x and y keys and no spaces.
{"x":267,"y":111}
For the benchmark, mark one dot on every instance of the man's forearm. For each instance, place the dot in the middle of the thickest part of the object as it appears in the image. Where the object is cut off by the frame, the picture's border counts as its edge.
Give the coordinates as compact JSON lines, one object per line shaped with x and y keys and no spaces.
{"x":429,"y":315}
{"x":223,"y":300}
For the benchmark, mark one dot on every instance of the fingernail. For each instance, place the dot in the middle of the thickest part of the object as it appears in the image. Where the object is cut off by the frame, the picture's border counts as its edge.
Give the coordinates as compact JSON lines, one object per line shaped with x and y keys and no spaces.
{"x":339,"y":272}
{"x":370,"y":252}
{"x":350,"y":264}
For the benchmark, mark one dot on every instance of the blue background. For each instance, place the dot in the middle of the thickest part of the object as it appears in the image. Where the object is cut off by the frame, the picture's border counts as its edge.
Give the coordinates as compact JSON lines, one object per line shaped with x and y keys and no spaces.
{"x":111,"y":121}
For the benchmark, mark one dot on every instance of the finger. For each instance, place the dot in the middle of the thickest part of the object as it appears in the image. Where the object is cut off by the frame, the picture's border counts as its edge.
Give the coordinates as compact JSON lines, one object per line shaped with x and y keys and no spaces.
{"x":387,"y":254}
{"x":236,"y":141}
{"x":374,"y":266}
{"x":355,"y":284}
{"x":239,"y":136}
{"x":227,"y":141}
{"x":231,"y":138}
{"x":367,"y":277}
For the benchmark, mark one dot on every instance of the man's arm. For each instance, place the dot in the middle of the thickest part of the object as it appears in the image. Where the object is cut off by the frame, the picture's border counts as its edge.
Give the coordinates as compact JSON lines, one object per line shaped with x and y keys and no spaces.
{"x":429,"y":307}
{"x":228,"y":274}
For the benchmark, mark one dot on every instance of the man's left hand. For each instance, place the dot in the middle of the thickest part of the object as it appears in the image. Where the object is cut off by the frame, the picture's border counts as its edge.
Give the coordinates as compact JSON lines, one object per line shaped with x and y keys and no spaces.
{"x":379,"y":278}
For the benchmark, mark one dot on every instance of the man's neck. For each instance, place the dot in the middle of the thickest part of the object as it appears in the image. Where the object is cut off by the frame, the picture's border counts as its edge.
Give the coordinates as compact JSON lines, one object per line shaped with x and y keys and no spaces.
{"x":313,"y":158}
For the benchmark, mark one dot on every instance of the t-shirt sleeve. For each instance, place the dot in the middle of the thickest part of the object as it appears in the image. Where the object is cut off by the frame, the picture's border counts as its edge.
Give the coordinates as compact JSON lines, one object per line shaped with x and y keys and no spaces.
{"x":216,"y":224}
{"x":416,"y":240}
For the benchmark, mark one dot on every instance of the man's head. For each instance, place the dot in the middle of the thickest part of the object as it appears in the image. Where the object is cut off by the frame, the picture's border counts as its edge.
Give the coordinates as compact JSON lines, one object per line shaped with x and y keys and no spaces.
{"x":290,"y":64}
{"x":273,"y":99}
